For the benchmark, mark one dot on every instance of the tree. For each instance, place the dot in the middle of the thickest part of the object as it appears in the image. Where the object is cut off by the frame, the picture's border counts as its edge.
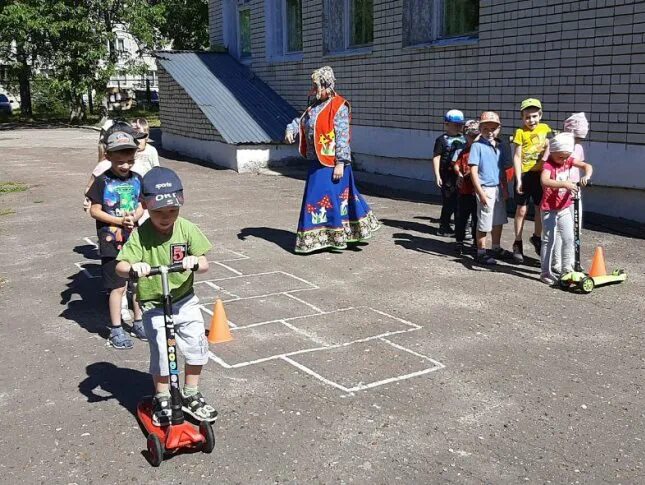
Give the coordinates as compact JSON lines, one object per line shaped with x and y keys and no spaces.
{"x":74,"y":40}
{"x":185,"y":23}
{"x":24,"y":41}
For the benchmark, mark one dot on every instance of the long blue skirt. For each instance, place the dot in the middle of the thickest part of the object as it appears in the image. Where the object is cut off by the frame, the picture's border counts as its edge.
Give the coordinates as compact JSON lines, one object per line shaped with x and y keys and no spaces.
{"x":332,"y":213}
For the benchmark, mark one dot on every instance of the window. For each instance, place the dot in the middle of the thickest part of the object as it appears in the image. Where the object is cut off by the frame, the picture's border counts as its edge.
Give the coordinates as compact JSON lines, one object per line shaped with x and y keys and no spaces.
{"x":284,"y":28}
{"x":348,"y":24}
{"x":244,"y":32}
{"x":120,"y":45}
{"x":426,"y":21}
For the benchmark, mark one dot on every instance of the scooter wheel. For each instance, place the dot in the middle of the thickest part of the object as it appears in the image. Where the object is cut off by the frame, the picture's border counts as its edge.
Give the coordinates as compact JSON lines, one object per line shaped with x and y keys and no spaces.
{"x":587,"y":285}
{"x":206,"y":430}
{"x":155,"y":450}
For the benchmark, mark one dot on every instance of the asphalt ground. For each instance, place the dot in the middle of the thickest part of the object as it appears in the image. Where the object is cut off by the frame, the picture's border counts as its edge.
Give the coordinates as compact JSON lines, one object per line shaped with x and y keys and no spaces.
{"x":395,"y":362}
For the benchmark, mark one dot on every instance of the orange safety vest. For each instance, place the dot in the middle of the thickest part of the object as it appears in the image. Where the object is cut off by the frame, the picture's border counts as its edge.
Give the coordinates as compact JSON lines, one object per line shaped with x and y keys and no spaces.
{"x":324,"y":135}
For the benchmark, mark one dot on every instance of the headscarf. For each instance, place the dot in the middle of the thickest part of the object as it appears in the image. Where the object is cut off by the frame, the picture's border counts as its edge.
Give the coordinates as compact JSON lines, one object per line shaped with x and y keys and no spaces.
{"x":324,"y":80}
{"x":562,"y":142}
{"x":577,"y":124}
{"x":471,"y":128}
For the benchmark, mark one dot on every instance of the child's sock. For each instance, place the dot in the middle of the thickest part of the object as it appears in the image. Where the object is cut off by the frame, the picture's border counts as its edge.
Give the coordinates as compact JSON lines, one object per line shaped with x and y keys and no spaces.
{"x":496,"y":246}
{"x":163,"y":394}
{"x":190,"y":391}
{"x":481,"y":252}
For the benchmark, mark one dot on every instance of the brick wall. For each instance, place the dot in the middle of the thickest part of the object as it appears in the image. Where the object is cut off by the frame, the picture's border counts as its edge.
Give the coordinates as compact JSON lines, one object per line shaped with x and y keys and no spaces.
{"x":574,"y":55}
{"x":178,"y":112}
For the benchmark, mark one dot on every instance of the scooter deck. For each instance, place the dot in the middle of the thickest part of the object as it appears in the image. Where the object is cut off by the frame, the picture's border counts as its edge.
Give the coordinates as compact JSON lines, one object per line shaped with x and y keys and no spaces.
{"x":174,"y":436}
{"x":615,"y":277}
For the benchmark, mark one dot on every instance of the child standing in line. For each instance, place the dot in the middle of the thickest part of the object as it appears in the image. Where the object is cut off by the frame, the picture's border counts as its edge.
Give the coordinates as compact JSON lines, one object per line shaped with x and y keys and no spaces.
{"x":467,"y":202}
{"x":578,"y":125}
{"x":147,"y":156}
{"x":114,"y":197}
{"x":530,"y":142}
{"x":445,"y":177}
{"x":166,"y":238}
{"x":488,"y":159}
{"x":559,"y":191}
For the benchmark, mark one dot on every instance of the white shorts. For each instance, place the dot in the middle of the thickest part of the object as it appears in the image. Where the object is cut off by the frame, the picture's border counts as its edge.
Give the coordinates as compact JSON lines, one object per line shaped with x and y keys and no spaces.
{"x":495,"y":213}
{"x":189,"y":334}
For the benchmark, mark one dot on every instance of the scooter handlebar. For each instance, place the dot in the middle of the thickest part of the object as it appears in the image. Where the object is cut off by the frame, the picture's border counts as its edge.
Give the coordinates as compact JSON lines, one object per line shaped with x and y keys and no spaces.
{"x":173,"y":268}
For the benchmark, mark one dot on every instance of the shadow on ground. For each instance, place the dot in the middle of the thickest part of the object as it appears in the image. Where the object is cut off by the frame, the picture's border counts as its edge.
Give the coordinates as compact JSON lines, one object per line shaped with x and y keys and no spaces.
{"x":106,"y":381}
{"x":84,"y":297}
{"x":284,"y":239}
{"x":447,"y":249}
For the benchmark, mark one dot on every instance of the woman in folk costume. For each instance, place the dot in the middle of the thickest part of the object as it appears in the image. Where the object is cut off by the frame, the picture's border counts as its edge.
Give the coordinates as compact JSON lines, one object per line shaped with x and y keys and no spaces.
{"x":333,"y":212}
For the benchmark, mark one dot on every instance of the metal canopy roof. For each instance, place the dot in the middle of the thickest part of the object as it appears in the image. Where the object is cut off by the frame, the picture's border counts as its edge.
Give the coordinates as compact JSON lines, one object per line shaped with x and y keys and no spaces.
{"x":241,"y":107}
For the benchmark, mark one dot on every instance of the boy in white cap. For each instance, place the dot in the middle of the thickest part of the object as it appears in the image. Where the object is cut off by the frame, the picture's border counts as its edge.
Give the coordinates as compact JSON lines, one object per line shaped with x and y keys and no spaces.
{"x":559,"y":192}
{"x":445,"y":177}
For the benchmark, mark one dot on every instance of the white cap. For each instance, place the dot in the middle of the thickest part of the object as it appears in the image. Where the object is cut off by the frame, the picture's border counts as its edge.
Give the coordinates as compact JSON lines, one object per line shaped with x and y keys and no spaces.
{"x":562,"y":142}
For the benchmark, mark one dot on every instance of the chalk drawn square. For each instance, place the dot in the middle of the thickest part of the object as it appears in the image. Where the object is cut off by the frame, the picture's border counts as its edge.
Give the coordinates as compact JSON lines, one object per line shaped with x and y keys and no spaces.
{"x":365,"y":365}
{"x":343,"y":326}
{"x":252,"y":345}
{"x":264,"y":284}
{"x":253,"y":311}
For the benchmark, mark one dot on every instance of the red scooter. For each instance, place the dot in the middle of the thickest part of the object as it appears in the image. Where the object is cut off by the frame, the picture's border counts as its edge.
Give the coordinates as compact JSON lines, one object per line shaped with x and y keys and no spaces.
{"x":179,"y":434}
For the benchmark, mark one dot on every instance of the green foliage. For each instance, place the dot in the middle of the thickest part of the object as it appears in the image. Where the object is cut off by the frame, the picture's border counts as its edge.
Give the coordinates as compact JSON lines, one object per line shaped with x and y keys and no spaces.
{"x":74,"y":41}
{"x":185,"y":23}
{"x":50,"y":96}
{"x":9,"y":187}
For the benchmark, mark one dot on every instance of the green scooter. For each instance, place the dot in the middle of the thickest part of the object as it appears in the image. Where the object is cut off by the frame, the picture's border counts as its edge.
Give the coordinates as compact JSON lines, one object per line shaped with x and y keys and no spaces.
{"x":578,"y":279}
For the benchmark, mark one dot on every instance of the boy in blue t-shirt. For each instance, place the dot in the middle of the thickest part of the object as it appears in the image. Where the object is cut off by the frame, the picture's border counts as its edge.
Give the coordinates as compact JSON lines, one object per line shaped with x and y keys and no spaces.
{"x":114,"y":197}
{"x":446,"y":179}
{"x":488,"y":159}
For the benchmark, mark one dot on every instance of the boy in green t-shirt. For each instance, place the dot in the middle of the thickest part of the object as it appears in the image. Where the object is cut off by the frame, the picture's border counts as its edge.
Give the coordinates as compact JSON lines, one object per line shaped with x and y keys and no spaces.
{"x":164,"y":239}
{"x":530,"y":142}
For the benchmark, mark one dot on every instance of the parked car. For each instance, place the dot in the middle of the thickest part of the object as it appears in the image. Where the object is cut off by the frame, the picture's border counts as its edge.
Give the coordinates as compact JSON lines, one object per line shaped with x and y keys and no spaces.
{"x":6,"y":106}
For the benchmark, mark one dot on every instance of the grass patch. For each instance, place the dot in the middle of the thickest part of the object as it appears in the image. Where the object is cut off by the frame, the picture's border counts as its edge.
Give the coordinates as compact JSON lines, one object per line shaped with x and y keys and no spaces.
{"x":9,"y":187}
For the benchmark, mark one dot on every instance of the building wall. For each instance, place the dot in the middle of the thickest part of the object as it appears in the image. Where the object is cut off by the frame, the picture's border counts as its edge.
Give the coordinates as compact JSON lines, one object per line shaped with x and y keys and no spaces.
{"x":179,"y":114}
{"x":574,"y":55}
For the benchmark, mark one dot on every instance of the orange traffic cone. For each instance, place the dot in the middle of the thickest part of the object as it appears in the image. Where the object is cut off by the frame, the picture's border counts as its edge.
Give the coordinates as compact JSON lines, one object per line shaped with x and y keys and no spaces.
{"x":219,"y":331}
{"x":598,"y":264}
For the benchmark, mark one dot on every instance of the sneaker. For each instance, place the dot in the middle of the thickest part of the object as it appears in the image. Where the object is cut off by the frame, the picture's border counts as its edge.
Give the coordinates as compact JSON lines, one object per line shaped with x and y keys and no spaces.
{"x":161,"y":412}
{"x":119,"y":340}
{"x":459,"y":249}
{"x":445,"y":232}
{"x":483,"y":258}
{"x":548,"y":279}
{"x":501,"y":253}
{"x":537,"y":243}
{"x":518,"y":252}
{"x":468,"y":236}
{"x":198,"y":408}
{"x":138,"y":330}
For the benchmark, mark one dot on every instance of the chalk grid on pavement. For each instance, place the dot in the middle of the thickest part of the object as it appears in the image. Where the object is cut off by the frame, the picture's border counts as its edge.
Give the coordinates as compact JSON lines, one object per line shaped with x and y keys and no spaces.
{"x":273,"y":321}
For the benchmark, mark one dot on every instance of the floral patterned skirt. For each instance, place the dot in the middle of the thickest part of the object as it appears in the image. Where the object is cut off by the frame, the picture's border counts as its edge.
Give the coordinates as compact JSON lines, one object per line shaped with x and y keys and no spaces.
{"x":333,"y":213}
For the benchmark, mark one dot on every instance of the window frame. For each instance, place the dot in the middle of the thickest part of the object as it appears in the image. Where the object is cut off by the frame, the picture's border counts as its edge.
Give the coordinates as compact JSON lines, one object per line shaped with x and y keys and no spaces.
{"x":277,"y":48}
{"x":437,"y":37}
{"x":347,"y":48}
{"x":243,"y":7}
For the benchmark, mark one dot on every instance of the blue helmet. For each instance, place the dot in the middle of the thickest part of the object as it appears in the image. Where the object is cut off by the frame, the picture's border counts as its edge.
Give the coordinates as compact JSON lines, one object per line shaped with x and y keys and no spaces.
{"x":454,"y":116}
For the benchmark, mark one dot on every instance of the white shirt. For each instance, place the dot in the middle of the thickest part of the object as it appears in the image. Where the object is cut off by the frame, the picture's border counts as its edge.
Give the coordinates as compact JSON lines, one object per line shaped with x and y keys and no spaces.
{"x":145,"y":160}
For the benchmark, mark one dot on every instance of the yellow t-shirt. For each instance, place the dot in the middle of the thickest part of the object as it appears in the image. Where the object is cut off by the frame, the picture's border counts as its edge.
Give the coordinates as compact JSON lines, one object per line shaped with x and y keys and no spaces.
{"x":533,"y":143}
